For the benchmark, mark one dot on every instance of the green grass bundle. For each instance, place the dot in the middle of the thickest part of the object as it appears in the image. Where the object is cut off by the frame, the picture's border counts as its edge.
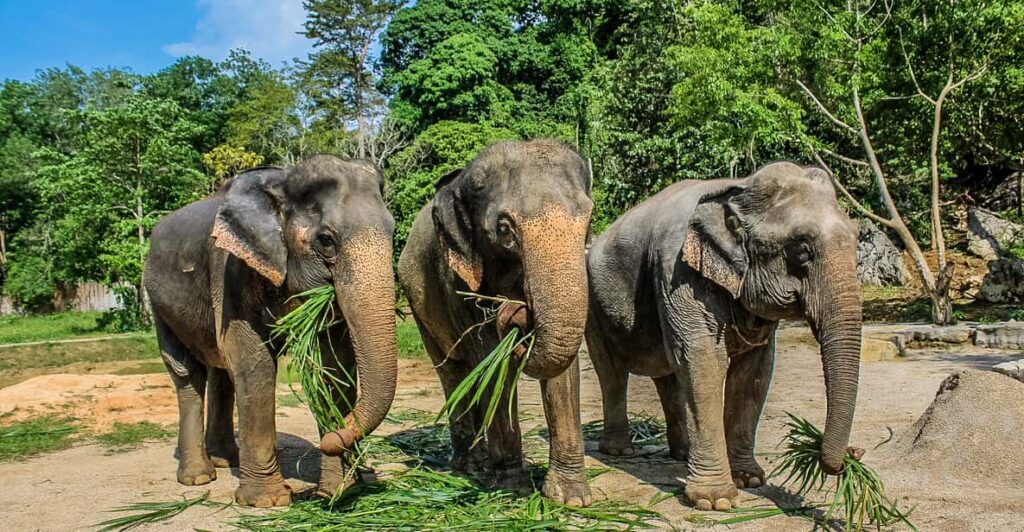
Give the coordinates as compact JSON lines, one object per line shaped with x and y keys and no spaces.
{"x":859,"y":495}
{"x":490,"y":374}
{"x":423,"y":499}
{"x":300,"y":330}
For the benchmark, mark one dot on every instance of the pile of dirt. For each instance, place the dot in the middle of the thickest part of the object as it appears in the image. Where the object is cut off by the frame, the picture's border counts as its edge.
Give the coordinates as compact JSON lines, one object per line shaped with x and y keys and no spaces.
{"x":99,"y":400}
{"x":970,"y":435}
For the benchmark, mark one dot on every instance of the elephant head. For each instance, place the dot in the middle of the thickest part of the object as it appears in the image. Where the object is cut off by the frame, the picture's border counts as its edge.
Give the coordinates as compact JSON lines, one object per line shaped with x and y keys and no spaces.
{"x":780,"y":244}
{"x":514,"y":223}
{"x":325,"y":222}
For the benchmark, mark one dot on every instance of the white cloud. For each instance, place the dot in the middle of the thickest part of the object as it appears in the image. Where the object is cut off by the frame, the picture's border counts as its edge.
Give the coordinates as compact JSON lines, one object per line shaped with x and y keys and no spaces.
{"x":266,"y":28}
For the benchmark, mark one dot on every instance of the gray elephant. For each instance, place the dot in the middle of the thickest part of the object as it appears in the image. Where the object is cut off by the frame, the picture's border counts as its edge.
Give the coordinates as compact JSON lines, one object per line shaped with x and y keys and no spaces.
{"x":220,"y":270}
{"x":512,"y":223}
{"x":688,"y":289}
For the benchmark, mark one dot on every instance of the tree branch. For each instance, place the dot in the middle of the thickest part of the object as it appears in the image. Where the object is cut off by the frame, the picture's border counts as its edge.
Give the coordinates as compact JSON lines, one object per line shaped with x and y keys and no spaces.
{"x":824,"y":110}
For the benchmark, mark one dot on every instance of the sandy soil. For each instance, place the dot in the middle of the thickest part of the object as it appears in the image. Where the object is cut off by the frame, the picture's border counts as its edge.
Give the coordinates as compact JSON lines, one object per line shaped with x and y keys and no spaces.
{"x":72,"y":489}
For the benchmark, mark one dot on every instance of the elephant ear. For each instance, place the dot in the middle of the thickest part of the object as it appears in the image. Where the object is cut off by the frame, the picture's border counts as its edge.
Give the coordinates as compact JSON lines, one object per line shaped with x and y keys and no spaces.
{"x":248,"y":223}
{"x":455,"y":230}
{"x":714,"y":239}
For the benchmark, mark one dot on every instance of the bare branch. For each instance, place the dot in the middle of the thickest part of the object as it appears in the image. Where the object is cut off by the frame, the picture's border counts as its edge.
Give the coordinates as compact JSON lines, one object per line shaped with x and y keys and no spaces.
{"x":825,"y":110}
{"x":856,"y":203}
{"x":845,"y":159}
{"x":910,"y":69}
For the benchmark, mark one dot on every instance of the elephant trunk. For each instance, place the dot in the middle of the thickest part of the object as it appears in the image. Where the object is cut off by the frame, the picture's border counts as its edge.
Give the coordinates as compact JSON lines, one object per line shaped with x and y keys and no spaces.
{"x":834,"y":311}
{"x":555,"y":283}
{"x":364,"y":284}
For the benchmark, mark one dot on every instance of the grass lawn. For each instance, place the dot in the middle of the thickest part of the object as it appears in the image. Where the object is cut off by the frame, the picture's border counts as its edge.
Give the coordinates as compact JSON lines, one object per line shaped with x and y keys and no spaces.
{"x":35,"y":436}
{"x":128,"y":436}
{"x":61,"y":326}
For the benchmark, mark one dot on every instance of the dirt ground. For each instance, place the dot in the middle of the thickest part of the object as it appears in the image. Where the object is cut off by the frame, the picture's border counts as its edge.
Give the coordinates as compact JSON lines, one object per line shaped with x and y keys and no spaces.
{"x":75,"y":488}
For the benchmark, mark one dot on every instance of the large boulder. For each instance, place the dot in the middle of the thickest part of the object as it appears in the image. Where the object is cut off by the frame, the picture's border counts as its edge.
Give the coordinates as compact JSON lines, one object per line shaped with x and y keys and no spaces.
{"x":1004,"y":282}
{"x":1013,"y":369}
{"x":879,"y":261}
{"x":989,"y":236}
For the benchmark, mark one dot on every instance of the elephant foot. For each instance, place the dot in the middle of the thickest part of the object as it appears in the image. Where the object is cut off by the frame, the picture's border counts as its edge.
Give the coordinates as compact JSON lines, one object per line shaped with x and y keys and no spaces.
{"x":334,"y":479}
{"x":748,"y":475}
{"x":711,"y":494}
{"x":196,"y":472}
{"x":679,"y":453}
{"x":616,"y":444}
{"x":263,"y":494}
{"x":512,"y":479}
{"x":571,"y":490}
{"x":472,"y":462}
{"x":223,"y":455}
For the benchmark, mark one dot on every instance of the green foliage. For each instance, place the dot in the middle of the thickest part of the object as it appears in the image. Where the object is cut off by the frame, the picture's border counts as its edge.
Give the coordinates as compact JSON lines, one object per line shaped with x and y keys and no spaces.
{"x":410,"y":345}
{"x":226,"y":160}
{"x":36,"y":436}
{"x":859,"y":493}
{"x":127,"y":436}
{"x":17,"y":329}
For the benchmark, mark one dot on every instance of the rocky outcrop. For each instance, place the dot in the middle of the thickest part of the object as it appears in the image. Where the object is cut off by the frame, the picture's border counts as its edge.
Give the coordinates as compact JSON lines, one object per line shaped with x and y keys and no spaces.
{"x":1004,"y":282}
{"x":879,"y":261}
{"x":1013,"y":369}
{"x":990,"y":236}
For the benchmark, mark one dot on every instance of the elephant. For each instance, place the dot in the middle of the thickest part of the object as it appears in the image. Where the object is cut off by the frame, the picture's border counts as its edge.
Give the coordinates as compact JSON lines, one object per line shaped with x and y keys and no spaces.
{"x":512,"y":223}
{"x":688,"y":288}
{"x":218,"y":273}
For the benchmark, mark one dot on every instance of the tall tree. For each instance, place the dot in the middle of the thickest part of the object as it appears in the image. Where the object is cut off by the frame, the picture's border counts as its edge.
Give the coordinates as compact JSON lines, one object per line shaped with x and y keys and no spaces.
{"x":343,"y":32}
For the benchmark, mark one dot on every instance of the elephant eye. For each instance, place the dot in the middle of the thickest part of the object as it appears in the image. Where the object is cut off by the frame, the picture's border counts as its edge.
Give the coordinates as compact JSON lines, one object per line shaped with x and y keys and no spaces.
{"x":506,"y":232}
{"x":800,"y":254}
{"x":325,"y":243}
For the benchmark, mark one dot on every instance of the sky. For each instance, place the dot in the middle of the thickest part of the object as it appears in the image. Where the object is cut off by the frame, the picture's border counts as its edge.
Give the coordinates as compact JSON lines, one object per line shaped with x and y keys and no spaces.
{"x":143,"y":35}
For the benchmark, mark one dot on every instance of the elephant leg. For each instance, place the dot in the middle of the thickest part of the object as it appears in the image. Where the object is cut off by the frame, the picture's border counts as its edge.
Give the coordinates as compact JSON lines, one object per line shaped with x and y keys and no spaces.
{"x":566,"y":480}
{"x":463,"y":427}
{"x":220,"y":425}
{"x":614,"y":380}
{"x":700,"y":366}
{"x":254,"y":372}
{"x":746,"y":389}
{"x":675,"y":416}
{"x":338,"y":359}
{"x":505,"y":443}
{"x":194,"y":466}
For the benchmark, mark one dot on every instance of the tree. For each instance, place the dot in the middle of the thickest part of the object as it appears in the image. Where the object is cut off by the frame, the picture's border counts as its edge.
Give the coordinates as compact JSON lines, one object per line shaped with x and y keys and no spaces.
{"x":938,"y":47}
{"x":344,"y":31}
{"x":137,"y":163}
{"x":226,"y":160}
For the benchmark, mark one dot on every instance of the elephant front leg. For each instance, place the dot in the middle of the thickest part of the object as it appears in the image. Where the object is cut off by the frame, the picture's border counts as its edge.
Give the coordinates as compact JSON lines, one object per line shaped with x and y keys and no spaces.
{"x":337,"y":473}
{"x":746,"y":389}
{"x":220,"y":426}
{"x":701,"y":377}
{"x":505,"y":443}
{"x":255,"y":372}
{"x":566,"y":480}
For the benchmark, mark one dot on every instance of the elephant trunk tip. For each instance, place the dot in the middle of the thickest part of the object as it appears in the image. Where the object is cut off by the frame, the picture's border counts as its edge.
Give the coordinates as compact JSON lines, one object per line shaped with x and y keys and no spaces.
{"x":338,"y":441}
{"x":831,"y":468}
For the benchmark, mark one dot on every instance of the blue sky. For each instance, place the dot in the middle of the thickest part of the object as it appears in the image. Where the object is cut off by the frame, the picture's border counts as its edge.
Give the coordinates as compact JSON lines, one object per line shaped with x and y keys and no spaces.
{"x":143,"y":35}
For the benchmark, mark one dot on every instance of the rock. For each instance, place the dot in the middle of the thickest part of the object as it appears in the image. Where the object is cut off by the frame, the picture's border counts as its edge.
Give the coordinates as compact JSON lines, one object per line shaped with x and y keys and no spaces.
{"x":1000,"y":336}
{"x":1004,"y":282}
{"x":938,"y":334}
{"x":877,"y":349}
{"x":988,"y":235}
{"x":1014,"y":369}
{"x":970,"y":435}
{"x":879,"y":261}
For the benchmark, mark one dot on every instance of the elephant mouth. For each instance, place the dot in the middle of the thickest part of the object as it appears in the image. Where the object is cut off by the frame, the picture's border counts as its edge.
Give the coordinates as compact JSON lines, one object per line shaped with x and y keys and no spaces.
{"x":514,"y":315}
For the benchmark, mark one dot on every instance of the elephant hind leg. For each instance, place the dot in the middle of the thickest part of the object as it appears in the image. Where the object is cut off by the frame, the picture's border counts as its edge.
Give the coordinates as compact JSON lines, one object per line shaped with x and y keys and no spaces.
{"x":675,"y":416}
{"x":220,"y":426}
{"x":746,"y":389}
{"x":189,"y":378}
{"x":614,"y":380}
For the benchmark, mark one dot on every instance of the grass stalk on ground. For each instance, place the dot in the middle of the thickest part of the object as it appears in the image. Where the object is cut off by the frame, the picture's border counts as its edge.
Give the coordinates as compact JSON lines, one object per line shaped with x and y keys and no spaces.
{"x":151,"y":512}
